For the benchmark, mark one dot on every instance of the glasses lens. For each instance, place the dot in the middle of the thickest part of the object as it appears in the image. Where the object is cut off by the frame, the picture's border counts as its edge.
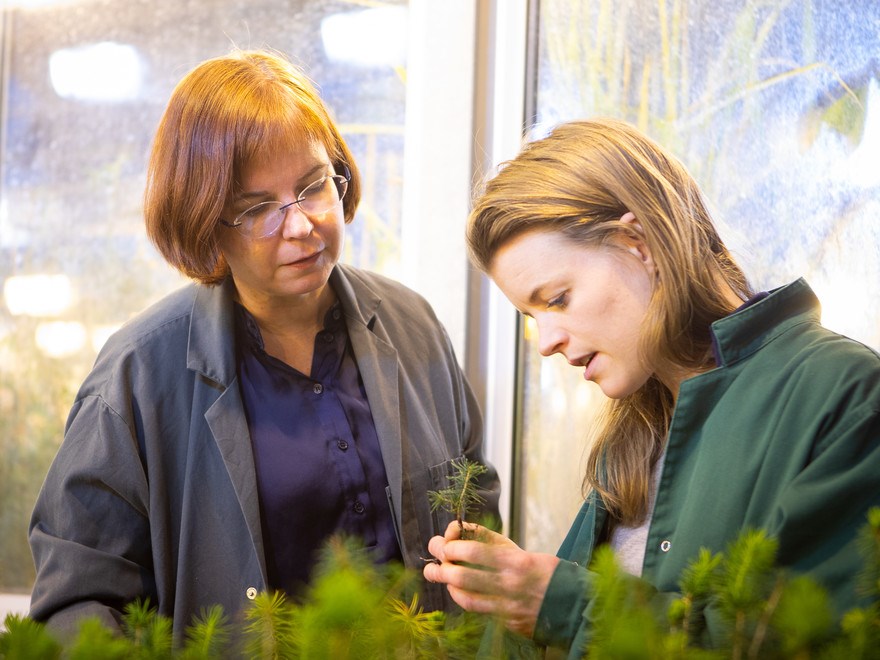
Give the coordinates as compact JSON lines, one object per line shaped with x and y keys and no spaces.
{"x":323,"y":194}
{"x":260,"y":220}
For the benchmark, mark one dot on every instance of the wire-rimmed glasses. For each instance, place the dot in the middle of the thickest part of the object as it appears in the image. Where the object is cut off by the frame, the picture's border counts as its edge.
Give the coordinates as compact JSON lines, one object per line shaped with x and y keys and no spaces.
{"x":264,"y":219}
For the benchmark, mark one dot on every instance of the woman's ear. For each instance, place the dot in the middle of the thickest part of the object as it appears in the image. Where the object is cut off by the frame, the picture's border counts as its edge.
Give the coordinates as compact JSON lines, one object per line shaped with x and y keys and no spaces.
{"x":636,"y":245}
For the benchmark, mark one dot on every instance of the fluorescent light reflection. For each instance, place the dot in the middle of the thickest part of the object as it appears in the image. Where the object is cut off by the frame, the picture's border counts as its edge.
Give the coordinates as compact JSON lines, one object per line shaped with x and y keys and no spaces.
{"x":59,"y":339}
{"x":372,"y":37}
{"x":104,"y":71}
{"x":37,"y":295}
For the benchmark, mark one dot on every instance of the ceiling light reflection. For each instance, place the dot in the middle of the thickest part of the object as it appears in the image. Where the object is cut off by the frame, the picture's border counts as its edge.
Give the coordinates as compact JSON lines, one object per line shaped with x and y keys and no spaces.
{"x":37,"y":295}
{"x":59,"y":339}
{"x":104,"y":71}
{"x":372,"y":37}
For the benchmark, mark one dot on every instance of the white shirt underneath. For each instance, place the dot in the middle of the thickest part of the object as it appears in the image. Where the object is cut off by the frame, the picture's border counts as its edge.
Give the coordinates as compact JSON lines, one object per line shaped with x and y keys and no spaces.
{"x":629,"y":543}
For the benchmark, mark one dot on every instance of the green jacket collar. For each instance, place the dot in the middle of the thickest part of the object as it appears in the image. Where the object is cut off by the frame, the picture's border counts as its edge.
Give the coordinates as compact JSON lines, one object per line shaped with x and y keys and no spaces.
{"x":744,"y":332}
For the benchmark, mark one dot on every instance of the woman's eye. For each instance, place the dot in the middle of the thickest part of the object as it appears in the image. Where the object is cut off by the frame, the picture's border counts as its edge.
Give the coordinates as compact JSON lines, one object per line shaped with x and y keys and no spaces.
{"x":558,"y":301}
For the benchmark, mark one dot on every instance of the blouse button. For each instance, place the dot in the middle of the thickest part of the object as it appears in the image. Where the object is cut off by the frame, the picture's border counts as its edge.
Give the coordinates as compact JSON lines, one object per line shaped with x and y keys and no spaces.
{"x":665,"y":545}
{"x":359,"y":507}
{"x":342,"y":444}
{"x":251,"y":593}
{"x":317,"y":388}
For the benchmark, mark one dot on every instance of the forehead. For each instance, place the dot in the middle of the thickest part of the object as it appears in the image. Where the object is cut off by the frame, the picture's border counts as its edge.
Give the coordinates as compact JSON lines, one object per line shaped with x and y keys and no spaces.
{"x":294,"y":160}
{"x":530,"y":261}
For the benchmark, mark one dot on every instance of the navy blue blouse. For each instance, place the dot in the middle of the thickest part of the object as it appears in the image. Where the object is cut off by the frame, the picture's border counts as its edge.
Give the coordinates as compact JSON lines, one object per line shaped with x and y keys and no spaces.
{"x":318,"y":460}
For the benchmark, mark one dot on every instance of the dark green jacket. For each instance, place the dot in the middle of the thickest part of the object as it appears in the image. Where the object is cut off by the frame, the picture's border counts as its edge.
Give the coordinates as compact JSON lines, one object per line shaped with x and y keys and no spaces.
{"x":783,"y":435}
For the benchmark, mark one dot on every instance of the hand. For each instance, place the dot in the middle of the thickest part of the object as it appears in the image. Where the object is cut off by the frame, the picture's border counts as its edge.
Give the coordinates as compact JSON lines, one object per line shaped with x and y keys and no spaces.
{"x":492,"y":575}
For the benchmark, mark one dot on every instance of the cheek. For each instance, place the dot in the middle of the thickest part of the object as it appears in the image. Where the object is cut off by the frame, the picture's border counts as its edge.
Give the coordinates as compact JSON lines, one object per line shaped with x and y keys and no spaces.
{"x":244,"y":257}
{"x":334,"y":235}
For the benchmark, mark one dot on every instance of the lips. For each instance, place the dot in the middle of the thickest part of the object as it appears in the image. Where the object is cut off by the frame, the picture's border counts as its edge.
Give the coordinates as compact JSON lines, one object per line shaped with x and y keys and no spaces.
{"x":306,"y":260}
{"x":583,"y":361}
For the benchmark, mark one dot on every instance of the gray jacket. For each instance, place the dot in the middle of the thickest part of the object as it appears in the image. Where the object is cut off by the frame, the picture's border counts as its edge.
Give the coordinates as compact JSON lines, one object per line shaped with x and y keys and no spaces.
{"x":153,"y":492}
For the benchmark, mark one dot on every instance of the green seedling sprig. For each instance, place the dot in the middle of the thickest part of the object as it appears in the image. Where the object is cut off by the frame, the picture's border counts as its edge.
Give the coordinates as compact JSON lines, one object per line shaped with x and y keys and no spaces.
{"x":462,"y":493}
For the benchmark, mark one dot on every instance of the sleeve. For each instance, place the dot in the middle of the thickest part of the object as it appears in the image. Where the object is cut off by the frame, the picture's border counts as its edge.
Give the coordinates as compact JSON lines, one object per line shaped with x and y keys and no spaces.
{"x":818,"y":515}
{"x":89,"y":531}
{"x":561,"y":615}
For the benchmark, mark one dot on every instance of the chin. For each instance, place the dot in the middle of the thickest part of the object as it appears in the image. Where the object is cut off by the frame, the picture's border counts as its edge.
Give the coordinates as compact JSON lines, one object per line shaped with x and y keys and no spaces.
{"x":620,"y":390}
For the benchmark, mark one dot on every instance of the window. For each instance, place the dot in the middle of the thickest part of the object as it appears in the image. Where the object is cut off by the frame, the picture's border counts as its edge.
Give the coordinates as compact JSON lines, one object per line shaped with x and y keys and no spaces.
{"x":83,"y":87}
{"x":775,"y":109}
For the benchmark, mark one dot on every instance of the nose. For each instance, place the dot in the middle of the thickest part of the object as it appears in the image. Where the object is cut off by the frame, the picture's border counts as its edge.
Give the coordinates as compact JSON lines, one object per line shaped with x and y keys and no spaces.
{"x":551,"y":337}
{"x":295,"y":224}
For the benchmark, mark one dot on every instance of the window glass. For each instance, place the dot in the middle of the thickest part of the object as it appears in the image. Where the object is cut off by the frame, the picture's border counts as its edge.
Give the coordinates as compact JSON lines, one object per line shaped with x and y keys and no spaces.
{"x":84,"y":85}
{"x":774,"y":106}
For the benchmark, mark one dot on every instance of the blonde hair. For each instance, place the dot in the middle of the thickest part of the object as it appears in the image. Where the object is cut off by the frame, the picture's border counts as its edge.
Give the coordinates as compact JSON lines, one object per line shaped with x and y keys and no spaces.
{"x":226,"y":112}
{"x":579,"y":181}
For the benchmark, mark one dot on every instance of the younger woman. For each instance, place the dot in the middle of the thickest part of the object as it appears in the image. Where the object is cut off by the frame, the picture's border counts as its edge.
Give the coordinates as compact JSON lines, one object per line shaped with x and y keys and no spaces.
{"x":728,"y":408}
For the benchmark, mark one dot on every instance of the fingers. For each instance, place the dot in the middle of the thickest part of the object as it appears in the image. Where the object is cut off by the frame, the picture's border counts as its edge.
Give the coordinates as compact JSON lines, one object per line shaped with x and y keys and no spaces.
{"x":475,"y":532}
{"x":491,"y":556}
{"x":436,"y":546}
{"x":453,"y":530}
{"x":464,"y":583}
{"x":473,"y":602}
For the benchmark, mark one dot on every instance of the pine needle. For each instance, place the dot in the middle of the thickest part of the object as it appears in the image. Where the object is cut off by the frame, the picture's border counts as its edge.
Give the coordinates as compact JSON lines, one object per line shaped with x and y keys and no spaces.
{"x":208,"y":636}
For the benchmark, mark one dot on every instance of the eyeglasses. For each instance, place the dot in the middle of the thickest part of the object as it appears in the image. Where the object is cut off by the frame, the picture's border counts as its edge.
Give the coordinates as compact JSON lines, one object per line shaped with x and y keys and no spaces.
{"x":318,"y":197}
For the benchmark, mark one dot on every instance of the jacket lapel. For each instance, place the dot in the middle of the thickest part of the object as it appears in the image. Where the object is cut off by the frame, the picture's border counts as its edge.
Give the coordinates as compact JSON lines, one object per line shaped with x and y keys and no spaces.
{"x":211,"y":353}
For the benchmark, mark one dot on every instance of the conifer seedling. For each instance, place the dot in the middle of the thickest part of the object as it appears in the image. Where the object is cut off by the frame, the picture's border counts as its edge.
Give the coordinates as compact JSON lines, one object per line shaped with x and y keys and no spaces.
{"x":462,"y":493}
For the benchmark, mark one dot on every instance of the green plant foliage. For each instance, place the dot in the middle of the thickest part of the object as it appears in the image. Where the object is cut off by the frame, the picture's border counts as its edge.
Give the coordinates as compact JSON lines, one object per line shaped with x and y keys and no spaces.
{"x":208,"y":636}
{"x":803,"y":618}
{"x":269,"y":628}
{"x":869,"y":547}
{"x":24,"y":638}
{"x":357,"y":610}
{"x":149,"y":633}
{"x":621,"y":605}
{"x":462,"y":493}
{"x":96,"y":642}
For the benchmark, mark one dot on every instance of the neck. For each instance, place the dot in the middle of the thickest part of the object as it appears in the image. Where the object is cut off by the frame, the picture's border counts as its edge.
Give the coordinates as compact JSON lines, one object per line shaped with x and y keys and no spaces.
{"x":288,"y":326}
{"x":284,"y":315}
{"x":674,"y":379}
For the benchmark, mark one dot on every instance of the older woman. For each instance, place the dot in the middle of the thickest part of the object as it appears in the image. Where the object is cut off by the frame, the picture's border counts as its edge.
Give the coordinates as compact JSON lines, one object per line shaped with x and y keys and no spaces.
{"x":729,"y":408}
{"x":226,"y":432}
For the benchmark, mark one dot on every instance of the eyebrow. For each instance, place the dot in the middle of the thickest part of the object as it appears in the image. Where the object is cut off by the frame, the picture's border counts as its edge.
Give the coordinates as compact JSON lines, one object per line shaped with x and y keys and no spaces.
{"x":264,"y":193}
{"x":535,"y":298}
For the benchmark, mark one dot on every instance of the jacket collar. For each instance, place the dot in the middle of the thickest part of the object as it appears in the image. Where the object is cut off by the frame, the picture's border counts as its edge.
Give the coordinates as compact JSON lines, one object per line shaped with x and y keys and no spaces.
{"x":742,"y":333}
{"x":211,"y":345}
{"x":360,"y":302}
